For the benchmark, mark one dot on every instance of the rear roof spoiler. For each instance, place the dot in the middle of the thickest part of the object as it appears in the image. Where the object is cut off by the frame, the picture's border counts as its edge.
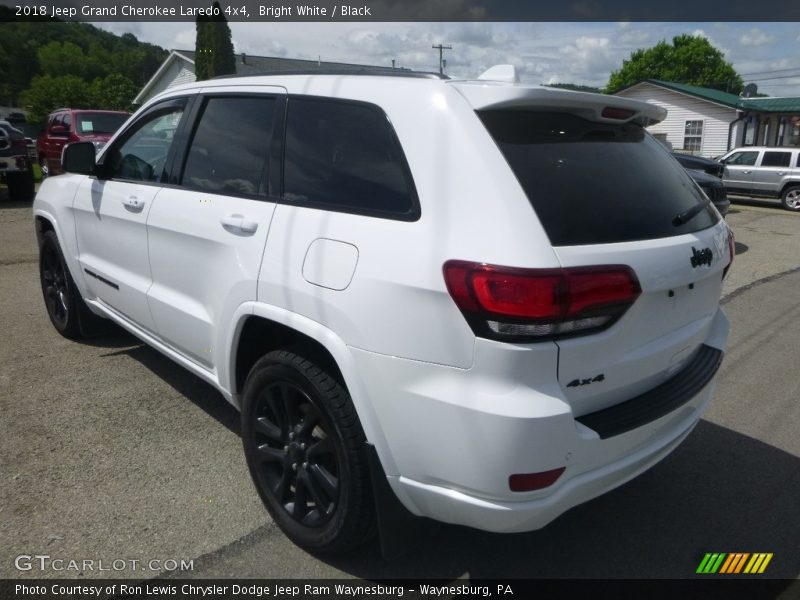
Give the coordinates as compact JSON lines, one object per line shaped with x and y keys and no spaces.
{"x":494,"y":95}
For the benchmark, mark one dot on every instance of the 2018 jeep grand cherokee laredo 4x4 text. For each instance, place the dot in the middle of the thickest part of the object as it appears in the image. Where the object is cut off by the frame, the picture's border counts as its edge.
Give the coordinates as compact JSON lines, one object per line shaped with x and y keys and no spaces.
{"x":496,"y":300}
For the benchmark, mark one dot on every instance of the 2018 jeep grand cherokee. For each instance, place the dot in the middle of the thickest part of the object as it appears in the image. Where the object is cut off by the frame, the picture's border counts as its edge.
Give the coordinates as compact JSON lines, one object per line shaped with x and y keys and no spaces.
{"x":491,"y":301}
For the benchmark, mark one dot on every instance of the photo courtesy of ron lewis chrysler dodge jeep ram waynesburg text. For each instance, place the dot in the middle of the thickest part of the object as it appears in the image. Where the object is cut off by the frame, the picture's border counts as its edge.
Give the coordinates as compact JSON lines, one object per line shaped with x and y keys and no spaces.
{"x":483,"y":301}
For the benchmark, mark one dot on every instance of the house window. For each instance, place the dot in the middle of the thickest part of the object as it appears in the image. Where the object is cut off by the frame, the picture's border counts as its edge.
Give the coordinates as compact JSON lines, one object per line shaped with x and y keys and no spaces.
{"x":693,"y":136}
{"x":662,"y":137}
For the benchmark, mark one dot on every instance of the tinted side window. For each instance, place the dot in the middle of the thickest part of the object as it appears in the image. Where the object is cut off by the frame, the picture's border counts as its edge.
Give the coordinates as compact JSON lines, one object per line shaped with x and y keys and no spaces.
{"x":596,"y":183}
{"x":344,"y":155}
{"x":142,"y":153}
{"x":229,"y":149}
{"x":742,"y":158}
{"x":776,"y":159}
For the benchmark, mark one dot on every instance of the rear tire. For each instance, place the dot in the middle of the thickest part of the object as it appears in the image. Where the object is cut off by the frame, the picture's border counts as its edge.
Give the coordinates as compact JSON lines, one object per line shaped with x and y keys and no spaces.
{"x":61,"y":298}
{"x":307,"y":455}
{"x":20,"y":185}
{"x":790,"y":199}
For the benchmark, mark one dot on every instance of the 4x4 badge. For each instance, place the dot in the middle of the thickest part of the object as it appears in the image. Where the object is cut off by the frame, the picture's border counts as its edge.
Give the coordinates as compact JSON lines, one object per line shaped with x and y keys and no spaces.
{"x":701,"y":257}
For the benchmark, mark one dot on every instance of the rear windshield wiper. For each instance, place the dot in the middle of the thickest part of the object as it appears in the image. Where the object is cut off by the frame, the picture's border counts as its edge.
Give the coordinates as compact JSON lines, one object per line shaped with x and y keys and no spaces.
{"x":689,"y":214}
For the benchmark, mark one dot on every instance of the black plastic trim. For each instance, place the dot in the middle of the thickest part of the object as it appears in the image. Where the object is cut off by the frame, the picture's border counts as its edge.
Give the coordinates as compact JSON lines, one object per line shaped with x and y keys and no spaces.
{"x":660,"y":401}
{"x":356,"y":70}
{"x":103,"y":279}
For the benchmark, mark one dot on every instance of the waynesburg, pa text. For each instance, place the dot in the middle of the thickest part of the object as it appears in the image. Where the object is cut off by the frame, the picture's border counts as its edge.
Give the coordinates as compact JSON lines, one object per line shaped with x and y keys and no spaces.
{"x":274,"y":590}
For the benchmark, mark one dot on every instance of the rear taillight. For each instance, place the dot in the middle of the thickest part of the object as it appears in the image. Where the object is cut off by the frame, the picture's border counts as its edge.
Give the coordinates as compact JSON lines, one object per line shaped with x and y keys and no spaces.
{"x":510,"y":304}
{"x":731,"y":251}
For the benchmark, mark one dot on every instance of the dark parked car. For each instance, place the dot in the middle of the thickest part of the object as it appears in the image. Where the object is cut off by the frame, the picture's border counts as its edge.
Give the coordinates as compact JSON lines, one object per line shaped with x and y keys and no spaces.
{"x":15,"y":165}
{"x":68,"y":125}
{"x":707,"y":173}
{"x":700,"y":163}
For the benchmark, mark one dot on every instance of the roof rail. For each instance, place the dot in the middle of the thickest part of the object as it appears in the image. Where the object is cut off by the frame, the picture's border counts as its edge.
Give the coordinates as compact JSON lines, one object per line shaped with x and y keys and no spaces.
{"x":356,"y":71}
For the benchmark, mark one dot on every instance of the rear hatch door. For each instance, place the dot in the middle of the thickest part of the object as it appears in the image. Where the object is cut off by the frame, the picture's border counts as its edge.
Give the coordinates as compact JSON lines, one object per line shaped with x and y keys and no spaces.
{"x":608,"y":193}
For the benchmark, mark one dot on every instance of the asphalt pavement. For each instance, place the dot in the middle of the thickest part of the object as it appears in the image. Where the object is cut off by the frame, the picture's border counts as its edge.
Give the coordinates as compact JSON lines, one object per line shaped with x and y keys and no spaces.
{"x":109,"y":451}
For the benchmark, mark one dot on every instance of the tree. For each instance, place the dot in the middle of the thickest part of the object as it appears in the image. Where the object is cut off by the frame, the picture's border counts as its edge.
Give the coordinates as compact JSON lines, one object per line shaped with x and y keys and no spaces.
{"x":213,"y":46}
{"x":113,"y":92}
{"x":48,"y":93}
{"x":689,"y":59}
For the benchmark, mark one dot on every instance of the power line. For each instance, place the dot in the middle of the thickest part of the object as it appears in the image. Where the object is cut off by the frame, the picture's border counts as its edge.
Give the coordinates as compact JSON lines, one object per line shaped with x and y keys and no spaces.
{"x":441,"y":48}
{"x":795,"y":76}
{"x":773,"y":71}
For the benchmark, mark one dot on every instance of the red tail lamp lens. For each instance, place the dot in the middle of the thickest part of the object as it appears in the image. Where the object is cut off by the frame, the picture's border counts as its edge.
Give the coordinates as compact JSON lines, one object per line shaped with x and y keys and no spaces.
{"x":507,"y":303}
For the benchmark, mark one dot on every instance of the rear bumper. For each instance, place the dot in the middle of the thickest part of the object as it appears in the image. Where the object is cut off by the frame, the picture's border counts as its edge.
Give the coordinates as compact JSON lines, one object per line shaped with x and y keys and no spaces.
{"x":453,"y":437}
{"x":456,"y":507}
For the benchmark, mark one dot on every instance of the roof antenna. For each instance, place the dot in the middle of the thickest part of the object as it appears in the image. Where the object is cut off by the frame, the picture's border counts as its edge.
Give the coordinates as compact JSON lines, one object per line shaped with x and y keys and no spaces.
{"x":504,"y":73}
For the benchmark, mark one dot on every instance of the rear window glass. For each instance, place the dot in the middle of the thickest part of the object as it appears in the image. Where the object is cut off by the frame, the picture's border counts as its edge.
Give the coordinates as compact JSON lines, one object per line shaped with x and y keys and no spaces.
{"x":596,"y":183}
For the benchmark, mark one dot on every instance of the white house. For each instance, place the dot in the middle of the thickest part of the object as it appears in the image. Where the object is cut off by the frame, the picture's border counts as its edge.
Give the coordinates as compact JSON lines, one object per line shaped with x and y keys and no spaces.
{"x":709,"y":122}
{"x":178,"y":68}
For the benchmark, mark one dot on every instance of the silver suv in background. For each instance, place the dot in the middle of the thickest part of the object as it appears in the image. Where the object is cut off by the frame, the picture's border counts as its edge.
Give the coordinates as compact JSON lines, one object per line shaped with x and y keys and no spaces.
{"x":764,"y":171}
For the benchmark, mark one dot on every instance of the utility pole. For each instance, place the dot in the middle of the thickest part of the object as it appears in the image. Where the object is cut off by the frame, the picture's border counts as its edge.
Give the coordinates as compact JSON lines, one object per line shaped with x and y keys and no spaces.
{"x":441,"y":48}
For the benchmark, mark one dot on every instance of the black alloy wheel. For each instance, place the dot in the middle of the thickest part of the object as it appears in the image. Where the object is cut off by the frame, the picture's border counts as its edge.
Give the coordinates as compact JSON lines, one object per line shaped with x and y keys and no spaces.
{"x":58,"y":289}
{"x":306,"y":453}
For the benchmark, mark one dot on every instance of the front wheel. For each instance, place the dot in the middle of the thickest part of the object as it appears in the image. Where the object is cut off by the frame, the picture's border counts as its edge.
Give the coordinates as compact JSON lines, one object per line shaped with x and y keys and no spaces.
{"x":791,"y":198}
{"x":306,"y":452}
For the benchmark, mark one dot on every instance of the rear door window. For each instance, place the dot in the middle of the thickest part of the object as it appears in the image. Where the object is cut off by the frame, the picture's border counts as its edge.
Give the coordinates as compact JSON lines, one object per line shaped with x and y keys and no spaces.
{"x":229,"y":149}
{"x":596,"y":183}
{"x":776,"y":159}
{"x":345,"y":156}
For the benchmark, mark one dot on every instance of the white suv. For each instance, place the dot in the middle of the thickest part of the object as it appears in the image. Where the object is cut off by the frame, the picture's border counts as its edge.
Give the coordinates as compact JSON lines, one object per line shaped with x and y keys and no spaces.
{"x":495,"y":300}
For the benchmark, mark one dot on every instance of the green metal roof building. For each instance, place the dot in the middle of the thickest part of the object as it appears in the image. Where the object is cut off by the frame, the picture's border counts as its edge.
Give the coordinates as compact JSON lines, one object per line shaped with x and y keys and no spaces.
{"x":709,"y":122}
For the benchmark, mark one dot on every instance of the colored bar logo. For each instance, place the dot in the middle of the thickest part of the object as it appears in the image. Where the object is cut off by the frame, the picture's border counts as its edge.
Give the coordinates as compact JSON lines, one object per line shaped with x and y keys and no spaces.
{"x":734,"y":563}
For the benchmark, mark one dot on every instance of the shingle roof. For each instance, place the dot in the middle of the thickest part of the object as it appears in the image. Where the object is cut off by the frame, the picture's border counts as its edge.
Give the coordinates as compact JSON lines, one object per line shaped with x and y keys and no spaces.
{"x":773,"y":105}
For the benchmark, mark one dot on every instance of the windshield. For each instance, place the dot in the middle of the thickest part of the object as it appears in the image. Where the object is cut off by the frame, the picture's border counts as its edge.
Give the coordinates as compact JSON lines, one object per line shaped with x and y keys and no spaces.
{"x":100,"y":123}
{"x":596,"y":183}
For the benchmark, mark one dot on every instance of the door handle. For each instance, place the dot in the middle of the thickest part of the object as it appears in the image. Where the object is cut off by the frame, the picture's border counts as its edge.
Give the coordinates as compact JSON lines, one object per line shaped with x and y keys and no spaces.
{"x":239,"y":224}
{"x":781,"y":173}
{"x":133,"y":202}
{"x":746,"y":172}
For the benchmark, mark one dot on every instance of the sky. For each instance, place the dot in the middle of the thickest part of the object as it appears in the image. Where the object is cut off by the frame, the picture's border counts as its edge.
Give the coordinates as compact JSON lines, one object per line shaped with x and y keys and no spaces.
{"x":767,"y":54}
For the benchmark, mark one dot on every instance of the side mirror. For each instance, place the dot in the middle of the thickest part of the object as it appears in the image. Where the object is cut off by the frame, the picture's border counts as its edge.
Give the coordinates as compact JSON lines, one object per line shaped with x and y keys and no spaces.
{"x":79,"y":158}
